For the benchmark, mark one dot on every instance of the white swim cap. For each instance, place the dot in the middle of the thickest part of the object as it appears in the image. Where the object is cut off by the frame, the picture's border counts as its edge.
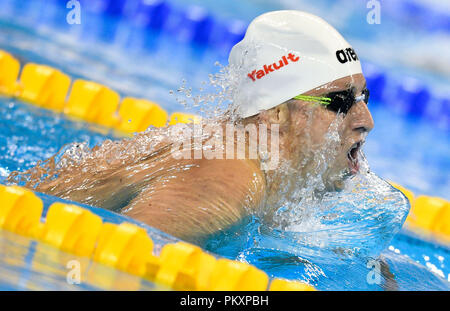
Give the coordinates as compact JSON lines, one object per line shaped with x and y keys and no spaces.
{"x":285,"y":54}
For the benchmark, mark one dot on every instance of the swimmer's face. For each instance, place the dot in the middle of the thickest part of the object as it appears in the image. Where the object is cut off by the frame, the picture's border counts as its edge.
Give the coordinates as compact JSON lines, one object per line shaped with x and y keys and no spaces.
{"x":309,"y":124}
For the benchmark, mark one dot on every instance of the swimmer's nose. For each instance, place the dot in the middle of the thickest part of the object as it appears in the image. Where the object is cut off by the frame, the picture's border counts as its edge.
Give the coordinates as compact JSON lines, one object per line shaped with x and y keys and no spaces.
{"x":361,"y":120}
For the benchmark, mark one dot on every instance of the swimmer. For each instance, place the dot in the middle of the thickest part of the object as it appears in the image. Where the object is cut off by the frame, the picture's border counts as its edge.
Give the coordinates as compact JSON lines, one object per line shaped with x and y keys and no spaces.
{"x":298,"y":73}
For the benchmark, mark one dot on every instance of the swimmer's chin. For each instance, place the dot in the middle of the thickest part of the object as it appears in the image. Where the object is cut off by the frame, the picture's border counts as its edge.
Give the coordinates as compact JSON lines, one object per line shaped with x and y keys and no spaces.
{"x":337,"y":184}
{"x":334,"y":185}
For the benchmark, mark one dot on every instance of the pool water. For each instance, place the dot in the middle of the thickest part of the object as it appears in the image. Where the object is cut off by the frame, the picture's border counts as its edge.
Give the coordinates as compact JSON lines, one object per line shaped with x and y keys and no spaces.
{"x":408,"y":150}
{"x":29,"y":134}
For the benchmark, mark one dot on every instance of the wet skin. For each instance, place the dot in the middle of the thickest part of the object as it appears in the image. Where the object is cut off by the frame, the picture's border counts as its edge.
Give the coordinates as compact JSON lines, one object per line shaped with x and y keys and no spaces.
{"x":193,"y":198}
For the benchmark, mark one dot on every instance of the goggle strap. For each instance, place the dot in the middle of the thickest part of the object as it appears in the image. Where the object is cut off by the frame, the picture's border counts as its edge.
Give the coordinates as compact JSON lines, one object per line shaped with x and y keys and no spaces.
{"x":314,"y":99}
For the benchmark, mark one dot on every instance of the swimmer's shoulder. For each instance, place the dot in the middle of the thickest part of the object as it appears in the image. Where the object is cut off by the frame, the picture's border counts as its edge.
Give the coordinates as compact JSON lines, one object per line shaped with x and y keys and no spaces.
{"x":209,"y":196}
{"x":235,"y":174}
{"x":239,"y":183}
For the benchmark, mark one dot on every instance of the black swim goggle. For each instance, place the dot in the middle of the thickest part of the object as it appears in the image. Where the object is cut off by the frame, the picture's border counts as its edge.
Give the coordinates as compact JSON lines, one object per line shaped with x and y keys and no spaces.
{"x":340,"y":101}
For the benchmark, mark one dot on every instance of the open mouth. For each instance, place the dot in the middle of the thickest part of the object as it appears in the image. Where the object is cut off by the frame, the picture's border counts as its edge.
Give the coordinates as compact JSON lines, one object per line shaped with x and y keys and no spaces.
{"x":352,"y":156}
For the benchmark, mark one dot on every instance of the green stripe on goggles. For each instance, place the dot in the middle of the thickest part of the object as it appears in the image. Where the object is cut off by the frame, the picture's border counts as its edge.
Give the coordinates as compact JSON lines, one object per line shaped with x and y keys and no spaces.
{"x":340,"y":101}
{"x":314,"y":99}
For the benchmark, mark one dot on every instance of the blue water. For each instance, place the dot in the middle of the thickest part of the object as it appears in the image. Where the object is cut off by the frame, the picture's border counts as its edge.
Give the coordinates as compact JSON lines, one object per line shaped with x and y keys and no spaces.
{"x":408,"y":150}
{"x":29,"y":134}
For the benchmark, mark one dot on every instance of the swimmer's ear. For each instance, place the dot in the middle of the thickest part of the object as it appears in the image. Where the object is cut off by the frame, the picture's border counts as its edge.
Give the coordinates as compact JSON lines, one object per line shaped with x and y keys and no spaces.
{"x":278,"y":114}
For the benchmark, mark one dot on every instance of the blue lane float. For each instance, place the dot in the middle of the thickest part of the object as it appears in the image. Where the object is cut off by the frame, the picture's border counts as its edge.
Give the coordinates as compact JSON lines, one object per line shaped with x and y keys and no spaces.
{"x":411,"y":97}
{"x":194,"y":24}
{"x":417,"y":14}
{"x":148,"y":14}
{"x":376,"y":80}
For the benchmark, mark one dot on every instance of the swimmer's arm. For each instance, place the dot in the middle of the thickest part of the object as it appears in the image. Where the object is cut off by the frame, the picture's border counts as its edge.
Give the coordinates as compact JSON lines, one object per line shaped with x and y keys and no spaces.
{"x":210,"y":196}
{"x":389,"y":284}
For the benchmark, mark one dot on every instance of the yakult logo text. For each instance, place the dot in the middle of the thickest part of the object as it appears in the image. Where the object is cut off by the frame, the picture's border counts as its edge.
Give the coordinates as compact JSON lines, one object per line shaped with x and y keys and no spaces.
{"x":284,"y":61}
